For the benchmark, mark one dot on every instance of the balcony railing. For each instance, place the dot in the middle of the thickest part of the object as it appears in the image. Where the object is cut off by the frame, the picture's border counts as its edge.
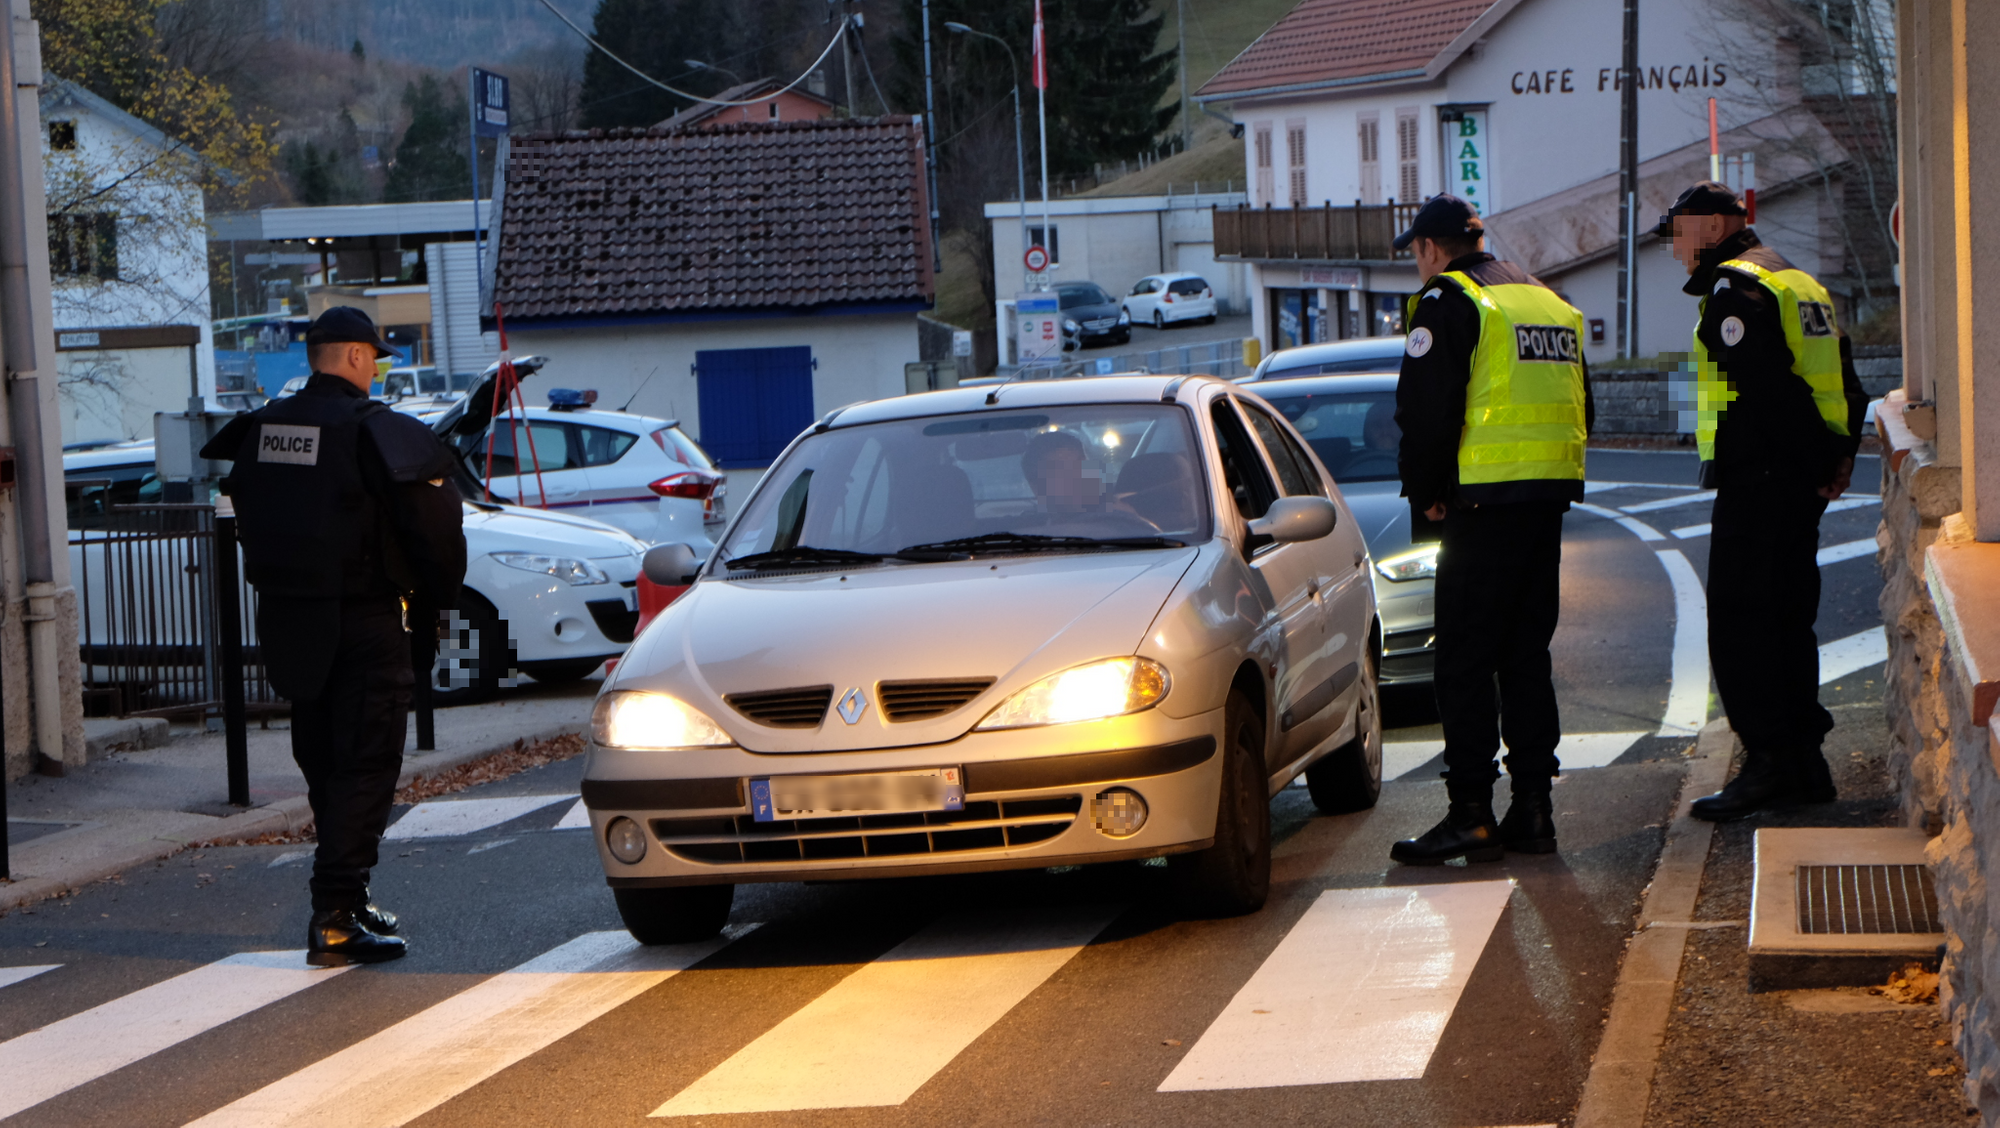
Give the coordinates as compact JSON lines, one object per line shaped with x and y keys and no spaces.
{"x":1361,"y":233}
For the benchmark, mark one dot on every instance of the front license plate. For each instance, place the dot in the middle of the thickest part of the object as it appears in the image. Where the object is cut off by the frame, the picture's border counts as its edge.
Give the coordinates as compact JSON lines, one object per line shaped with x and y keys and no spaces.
{"x":846,"y":796}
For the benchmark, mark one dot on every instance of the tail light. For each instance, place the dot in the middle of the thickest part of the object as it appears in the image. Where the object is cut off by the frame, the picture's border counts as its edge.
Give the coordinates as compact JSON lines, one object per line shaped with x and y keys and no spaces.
{"x":1170,"y":295}
{"x":696,"y":485}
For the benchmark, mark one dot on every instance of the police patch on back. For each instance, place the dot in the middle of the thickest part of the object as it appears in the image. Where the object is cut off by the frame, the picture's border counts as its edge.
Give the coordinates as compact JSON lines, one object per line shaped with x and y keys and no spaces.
{"x":279,"y":442}
{"x":1547,"y":344}
{"x":1816,"y":319}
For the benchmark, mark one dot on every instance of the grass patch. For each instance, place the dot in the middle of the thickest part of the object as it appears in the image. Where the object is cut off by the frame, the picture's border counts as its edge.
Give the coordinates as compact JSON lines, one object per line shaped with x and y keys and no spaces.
{"x":960,"y":301}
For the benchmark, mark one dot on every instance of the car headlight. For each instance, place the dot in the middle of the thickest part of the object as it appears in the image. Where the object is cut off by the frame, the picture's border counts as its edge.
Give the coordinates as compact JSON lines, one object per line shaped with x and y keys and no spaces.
{"x":1109,"y":688}
{"x":1416,"y":564}
{"x":1069,"y":325}
{"x":632,"y":719}
{"x":1124,"y":317}
{"x":576,"y":573}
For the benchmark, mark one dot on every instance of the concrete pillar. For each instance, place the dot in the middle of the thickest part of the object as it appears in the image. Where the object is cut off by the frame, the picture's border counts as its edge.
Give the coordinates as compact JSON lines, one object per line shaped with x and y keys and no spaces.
{"x":1941,"y":54}
{"x":1978,"y":399}
{"x":1910,"y":110}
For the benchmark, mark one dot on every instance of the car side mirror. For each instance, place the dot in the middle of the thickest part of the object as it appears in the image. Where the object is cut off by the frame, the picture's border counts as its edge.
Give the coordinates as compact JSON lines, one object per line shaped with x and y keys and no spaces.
{"x":1296,"y":519}
{"x":670,"y":565}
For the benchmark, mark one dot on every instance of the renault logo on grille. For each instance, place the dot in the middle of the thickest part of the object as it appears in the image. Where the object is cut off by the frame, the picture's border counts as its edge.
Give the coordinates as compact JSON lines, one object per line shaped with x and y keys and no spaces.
{"x":852,"y":705}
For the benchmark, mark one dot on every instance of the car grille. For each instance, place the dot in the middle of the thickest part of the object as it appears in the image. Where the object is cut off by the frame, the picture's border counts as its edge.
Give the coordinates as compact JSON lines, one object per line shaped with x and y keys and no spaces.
{"x":784,"y":708}
{"x":980,"y":826}
{"x":1101,"y":323}
{"x":1405,"y":641}
{"x":922,"y":700}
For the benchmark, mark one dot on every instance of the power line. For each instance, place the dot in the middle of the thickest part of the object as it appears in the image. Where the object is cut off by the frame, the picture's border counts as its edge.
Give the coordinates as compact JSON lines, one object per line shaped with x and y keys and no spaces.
{"x":838,"y":32}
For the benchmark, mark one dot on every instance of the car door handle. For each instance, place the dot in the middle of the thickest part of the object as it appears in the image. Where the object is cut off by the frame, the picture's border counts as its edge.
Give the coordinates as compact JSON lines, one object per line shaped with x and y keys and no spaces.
{"x":1360,"y":559}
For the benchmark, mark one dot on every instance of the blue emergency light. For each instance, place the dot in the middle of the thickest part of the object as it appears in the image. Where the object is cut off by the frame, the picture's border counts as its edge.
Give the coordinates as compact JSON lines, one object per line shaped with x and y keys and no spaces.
{"x":569,"y":399}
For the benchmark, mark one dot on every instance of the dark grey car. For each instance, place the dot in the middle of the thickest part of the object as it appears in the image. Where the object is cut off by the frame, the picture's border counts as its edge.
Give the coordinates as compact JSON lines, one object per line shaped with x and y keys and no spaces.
{"x":1092,"y":317}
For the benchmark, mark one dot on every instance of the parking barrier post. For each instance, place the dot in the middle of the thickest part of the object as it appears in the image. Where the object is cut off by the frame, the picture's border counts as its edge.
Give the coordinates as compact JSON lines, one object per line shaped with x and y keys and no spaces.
{"x":229,"y":616}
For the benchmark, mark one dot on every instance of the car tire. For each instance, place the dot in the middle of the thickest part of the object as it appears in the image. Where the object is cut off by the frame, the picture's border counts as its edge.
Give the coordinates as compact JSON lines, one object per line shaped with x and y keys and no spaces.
{"x":563,"y":671}
{"x":478,"y":641}
{"x":1233,"y":876}
{"x":1159,"y":320}
{"x":675,"y":914}
{"x":1349,"y":778}
{"x":1124,"y":338}
{"x":1209,"y":320}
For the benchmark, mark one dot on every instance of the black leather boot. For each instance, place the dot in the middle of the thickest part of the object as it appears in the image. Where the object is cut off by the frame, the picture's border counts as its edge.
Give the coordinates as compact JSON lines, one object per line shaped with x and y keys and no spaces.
{"x":337,"y":937}
{"x":1767,"y":783}
{"x":1468,"y":831}
{"x":375,"y":918}
{"x":1530,"y":825}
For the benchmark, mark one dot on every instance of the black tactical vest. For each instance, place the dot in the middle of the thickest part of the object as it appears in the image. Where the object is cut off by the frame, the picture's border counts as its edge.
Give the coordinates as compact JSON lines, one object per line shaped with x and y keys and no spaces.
{"x":309,"y":526}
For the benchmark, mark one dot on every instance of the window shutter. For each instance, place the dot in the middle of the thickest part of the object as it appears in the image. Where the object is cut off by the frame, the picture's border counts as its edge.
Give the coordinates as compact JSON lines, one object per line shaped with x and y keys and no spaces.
{"x":1370,"y":140}
{"x":1295,"y":156}
{"x":1265,"y":189}
{"x":1409,"y":188}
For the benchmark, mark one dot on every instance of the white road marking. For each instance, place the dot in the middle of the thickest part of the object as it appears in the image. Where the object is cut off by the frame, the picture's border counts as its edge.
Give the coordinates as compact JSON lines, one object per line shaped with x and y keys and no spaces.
{"x":1602,"y":487}
{"x":290,"y":856}
{"x":1359,"y":990}
{"x":1853,"y":501}
{"x":1594,"y":749}
{"x":1401,"y":757}
{"x":490,"y":844}
{"x":1687,"y":532}
{"x":1637,"y":528}
{"x":12,"y":975}
{"x":1669,"y":502}
{"x":444,"y":818}
{"x":578,"y":818}
{"x":1687,"y":697}
{"x":1834,"y":554}
{"x":1844,"y":656}
{"x":425,"y":1060}
{"x":83,"y":1047}
{"x":882,"y":1032}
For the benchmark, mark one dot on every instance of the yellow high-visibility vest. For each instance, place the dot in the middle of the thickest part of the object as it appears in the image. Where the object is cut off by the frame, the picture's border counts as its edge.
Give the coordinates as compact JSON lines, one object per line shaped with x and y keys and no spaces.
{"x":1524,"y":402}
{"x":1812,"y":332}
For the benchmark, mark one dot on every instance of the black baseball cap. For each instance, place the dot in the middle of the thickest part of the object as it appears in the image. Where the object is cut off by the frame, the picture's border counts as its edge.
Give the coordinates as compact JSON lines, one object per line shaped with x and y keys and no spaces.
{"x":345,"y":323}
{"x":1443,"y":216}
{"x":1705,"y":198}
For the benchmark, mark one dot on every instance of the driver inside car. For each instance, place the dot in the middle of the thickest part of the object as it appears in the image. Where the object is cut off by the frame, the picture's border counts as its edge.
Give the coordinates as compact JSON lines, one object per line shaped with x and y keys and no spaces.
{"x":1063,"y":480}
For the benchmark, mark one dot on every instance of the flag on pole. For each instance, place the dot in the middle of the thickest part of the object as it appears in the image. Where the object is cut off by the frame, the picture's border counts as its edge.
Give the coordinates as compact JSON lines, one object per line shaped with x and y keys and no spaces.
{"x":1041,"y":52}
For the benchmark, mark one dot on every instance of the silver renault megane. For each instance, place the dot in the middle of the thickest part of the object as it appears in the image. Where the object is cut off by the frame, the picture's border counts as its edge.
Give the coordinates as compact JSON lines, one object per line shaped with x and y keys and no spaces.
{"x":1030,"y":625}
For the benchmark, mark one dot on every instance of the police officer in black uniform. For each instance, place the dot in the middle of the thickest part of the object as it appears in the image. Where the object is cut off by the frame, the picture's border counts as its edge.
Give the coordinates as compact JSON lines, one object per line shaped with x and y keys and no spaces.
{"x":1495,"y":409}
{"x":350,"y":526}
{"x":1780,"y":420}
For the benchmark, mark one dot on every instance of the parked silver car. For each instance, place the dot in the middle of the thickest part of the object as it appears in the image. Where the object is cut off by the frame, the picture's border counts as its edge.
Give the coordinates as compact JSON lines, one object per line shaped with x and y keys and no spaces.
{"x":1359,"y":354}
{"x":1350,"y":423}
{"x":993,"y":628}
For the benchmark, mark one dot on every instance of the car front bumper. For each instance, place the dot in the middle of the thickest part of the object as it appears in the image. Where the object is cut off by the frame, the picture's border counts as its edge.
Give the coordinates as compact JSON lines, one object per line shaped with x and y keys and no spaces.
{"x":1027,"y":805}
{"x":1408,"y":610}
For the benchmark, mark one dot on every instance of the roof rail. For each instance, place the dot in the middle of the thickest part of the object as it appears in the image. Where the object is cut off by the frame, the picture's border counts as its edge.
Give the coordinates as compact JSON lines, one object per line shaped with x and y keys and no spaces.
{"x":1172,"y":389}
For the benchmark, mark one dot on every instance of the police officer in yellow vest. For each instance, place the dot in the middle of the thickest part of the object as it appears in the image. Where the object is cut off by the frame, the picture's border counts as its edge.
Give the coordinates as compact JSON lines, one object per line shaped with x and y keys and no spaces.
{"x":1779,"y":412}
{"x":1494,"y":404}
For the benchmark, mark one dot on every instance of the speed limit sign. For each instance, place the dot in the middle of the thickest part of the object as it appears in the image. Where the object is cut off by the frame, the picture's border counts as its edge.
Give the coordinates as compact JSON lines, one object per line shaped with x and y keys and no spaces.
{"x":1036,"y":259}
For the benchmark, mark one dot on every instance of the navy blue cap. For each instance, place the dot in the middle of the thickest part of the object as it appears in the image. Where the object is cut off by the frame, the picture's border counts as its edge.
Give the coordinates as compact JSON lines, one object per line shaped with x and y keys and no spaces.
{"x":1443,"y":216}
{"x":1705,"y":198}
{"x":345,"y":323}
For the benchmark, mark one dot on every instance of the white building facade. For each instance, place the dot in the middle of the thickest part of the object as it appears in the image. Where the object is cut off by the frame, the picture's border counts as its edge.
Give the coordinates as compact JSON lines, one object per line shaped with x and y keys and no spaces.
{"x":1514,"y":105}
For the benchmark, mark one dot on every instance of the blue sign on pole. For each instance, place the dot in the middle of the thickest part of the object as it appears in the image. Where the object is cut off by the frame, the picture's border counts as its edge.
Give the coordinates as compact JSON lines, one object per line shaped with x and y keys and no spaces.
{"x":489,"y":103}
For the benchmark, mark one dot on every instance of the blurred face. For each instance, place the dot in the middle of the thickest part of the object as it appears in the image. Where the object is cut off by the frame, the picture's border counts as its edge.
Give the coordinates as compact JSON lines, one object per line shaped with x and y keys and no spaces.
{"x":1061,"y":484}
{"x":1694,"y":234}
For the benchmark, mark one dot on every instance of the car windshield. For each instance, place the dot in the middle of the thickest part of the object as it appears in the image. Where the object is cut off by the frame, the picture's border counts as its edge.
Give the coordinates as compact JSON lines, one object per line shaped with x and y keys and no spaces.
{"x":1354,"y":433}
{"x":1120,"y":472}
{"x":1081,"y":294}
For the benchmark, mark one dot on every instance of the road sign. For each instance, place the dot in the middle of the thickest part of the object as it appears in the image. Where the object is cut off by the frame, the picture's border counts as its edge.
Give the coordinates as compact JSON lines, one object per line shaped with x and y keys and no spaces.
{"x":961,"y":342}
{"x":1039,"y":330}
{"x":1037,"y":259}
{"x":489,"y":103}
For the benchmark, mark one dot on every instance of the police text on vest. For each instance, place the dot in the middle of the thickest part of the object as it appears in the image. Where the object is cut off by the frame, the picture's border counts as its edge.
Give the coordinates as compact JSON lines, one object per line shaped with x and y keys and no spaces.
{"x":1546,"y":343}
{"x":296,"y":445}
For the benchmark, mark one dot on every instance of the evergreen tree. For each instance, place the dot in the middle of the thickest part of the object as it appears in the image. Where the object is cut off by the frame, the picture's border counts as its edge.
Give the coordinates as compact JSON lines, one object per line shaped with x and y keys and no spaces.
{"x":657,"y":36}
{"x":430,"y":160}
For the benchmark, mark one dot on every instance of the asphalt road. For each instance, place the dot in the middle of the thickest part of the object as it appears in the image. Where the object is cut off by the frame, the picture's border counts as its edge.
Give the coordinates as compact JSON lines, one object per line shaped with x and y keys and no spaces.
{"x":1363,"y":994}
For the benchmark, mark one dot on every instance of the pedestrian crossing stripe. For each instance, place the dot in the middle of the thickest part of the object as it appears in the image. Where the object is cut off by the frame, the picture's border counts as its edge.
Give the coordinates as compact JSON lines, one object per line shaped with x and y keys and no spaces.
{"x":578,"y":818}
{"x":427,"y":1059}
{"x":1844,"y":656}
{"x":58,"y":1057}
{"x":1401,"y":758}
{"x":449,"y":818}
{"x":12,"y":975}
{"x":1359,"y":990}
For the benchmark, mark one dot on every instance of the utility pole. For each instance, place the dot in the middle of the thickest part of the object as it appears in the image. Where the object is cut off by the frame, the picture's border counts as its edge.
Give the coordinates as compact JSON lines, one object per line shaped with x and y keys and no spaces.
{"x":1041,"y":75}
{"x":1628,"y":189}
{"x":1187,"y":125}
{"x":847,"y":54}
{"x":930,"y":141}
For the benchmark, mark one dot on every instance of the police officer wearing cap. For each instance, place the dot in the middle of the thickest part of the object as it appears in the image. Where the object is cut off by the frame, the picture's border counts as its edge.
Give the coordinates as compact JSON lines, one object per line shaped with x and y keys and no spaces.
{"x":350,"y":527}
{"x":1494,"y":404}
{"x":1779,"y":413}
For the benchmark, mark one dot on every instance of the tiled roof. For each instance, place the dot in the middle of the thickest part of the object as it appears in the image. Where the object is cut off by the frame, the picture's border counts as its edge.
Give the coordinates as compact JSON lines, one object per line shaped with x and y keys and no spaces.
{"x":730,"y":218}
{"x":1324,"y":41}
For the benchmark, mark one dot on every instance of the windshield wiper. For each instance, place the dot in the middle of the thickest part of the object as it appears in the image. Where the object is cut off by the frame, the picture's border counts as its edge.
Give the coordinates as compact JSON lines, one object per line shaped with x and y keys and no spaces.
{"x":798,"y":555}
{"x":1031,"y":542}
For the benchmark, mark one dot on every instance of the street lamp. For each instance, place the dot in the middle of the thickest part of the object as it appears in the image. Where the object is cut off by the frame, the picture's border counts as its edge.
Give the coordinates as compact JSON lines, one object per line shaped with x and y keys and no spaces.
{"x":1020,"y":154}
{"x":697,"y":64}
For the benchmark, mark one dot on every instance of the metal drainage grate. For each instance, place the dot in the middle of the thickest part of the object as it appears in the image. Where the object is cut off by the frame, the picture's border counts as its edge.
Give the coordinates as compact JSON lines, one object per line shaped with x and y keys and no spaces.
{"x":1866,"y":899}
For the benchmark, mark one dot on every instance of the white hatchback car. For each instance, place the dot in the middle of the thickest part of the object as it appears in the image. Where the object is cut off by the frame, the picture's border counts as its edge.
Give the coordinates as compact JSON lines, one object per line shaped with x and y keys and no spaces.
{"x":1162,"y":299}
{"x":1042,"y":624}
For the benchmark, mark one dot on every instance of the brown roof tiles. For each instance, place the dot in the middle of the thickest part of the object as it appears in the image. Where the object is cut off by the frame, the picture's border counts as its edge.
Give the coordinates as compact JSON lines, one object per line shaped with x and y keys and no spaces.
{"x":731,"y":218}
{"x":1324,"y":41}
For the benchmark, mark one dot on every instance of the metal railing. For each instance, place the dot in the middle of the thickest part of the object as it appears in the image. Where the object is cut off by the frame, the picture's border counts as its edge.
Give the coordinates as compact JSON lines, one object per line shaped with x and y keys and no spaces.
{"x":1360,"y":233}
{"x":148,"y":622}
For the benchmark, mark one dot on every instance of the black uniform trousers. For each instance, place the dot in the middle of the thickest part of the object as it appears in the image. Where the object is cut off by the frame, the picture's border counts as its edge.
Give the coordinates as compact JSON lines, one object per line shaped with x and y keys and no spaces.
{"x":1499,"y":591}
{"x":1763,"y":595}
{"x":348,"y":740}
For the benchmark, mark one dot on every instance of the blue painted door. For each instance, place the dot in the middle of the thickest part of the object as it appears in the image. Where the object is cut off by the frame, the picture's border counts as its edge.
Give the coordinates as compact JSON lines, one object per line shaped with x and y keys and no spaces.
{"x":753,"y":401}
